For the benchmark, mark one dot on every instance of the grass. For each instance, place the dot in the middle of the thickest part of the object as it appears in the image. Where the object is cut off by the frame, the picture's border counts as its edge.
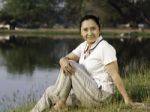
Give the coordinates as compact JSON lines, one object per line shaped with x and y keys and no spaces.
{"x":137,"y":85}
{"x":40,"y":32}
{"x":107,"y":32}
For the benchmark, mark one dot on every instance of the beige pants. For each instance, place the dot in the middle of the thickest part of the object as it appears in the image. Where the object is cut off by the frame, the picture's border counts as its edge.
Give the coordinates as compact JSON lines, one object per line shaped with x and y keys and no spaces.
{"x":79,"y":88}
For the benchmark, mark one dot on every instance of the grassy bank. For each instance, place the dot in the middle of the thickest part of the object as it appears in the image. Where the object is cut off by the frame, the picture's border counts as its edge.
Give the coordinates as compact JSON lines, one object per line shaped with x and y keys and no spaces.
{"x":138,"y":87}
{"x":41,"y":32}
{"x":75,"y":32}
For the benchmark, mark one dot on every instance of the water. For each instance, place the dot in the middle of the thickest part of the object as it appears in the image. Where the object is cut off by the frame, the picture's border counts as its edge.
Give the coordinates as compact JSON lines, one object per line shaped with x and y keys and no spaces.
{"x":20,"y":88}
{"x":28,"y":65}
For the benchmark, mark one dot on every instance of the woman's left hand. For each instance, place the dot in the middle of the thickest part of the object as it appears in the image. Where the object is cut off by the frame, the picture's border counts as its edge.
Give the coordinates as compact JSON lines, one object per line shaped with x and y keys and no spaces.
{"x":136,"y":105}
{"x":128,"y":102}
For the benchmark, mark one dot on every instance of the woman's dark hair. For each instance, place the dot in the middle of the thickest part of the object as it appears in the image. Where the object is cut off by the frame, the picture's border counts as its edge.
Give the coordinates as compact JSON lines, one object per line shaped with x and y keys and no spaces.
{"x":92,"y":17}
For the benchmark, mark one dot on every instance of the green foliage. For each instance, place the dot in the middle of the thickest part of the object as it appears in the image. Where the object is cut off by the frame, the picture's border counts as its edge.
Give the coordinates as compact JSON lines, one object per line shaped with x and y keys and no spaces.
{"x":30,"y":11}
{"x":132,"y":11}
{"x":68,"y":12}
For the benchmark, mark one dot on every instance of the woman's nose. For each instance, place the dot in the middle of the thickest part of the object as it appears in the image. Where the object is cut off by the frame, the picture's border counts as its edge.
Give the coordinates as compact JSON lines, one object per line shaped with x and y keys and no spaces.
{"x":89,"y":32}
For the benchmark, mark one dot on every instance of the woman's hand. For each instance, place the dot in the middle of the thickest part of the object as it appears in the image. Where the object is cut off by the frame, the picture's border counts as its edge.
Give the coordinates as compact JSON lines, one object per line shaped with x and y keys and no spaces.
{"x":128,"y":102}
{"x":140,"y":105}
{"x":136,"y":104}
{"x":67,"y":68}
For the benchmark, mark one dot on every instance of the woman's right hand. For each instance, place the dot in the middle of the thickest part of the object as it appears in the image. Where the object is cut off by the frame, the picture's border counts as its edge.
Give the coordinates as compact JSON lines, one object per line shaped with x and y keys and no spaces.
{"x":67,"y":68}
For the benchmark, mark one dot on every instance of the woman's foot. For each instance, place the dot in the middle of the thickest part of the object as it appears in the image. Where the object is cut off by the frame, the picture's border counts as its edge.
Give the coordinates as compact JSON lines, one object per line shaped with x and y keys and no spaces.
{"x":60,"y":105}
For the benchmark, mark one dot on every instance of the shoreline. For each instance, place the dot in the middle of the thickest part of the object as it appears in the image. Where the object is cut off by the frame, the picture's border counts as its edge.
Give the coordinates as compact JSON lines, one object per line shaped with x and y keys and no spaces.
{"x":74,"y":32}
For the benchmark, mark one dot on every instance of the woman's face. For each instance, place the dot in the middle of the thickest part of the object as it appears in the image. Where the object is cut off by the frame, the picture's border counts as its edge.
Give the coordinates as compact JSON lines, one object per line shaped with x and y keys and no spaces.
{"x":90,"y":31}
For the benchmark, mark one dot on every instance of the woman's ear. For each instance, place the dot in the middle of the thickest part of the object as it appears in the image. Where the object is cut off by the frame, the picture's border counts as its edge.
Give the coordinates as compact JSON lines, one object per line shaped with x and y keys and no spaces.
{"x":99,"y":32}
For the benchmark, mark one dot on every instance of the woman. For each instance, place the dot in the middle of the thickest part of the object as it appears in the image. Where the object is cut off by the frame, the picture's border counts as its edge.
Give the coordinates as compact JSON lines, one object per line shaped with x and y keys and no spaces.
{"x":91,"y":81}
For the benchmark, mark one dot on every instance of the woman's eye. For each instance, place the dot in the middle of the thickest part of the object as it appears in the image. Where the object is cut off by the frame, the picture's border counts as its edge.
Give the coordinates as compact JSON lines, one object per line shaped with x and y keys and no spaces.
{"x":85,"y":29}
{"x":93,"y":28}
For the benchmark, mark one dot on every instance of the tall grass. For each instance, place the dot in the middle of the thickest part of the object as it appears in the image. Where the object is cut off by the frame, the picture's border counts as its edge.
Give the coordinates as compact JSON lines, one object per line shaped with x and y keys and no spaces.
{"x":137,"y":85}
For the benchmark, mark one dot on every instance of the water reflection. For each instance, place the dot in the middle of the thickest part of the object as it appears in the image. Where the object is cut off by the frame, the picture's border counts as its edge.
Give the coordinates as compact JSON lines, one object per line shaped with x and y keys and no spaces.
{"x":23,"y":55}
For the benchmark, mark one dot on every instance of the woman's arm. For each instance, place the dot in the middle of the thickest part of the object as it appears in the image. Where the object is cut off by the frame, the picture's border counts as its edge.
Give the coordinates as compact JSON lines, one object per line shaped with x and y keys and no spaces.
{"x":65,"y":65}
{"x":113,"y":71}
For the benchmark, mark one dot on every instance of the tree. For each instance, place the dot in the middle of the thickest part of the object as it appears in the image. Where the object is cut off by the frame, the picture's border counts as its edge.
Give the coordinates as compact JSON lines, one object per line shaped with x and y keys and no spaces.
{"x":71,"y":12}
{"x":31,"y":11}
{"x":96,"y":7}
{"x":134,"y":11}
{"x":68,"y":12}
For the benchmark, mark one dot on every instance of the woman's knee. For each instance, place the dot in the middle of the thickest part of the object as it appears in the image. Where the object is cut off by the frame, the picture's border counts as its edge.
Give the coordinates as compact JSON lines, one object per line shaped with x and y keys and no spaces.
{"x":49,"y":90}
{"x":75,"y":64}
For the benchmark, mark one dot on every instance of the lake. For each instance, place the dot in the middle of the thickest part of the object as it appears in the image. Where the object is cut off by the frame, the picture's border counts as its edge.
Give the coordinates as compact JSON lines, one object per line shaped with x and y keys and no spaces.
{"x":28,"y":65}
